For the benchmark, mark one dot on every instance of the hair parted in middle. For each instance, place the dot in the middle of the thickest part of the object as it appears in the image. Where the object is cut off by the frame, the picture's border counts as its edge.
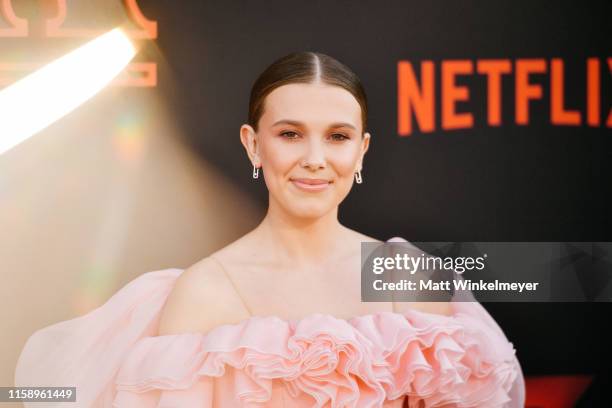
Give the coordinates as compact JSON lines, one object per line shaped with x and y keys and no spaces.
{"x":305,"y":67}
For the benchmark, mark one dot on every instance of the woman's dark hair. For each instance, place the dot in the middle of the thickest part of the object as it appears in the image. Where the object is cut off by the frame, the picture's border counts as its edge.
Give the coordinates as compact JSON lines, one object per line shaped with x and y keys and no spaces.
{"x":305,"y":67}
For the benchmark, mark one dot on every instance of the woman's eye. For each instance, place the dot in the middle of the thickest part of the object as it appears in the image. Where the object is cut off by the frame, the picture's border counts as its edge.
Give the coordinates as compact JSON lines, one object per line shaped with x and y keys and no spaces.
{"x":339,"y":136}
{"x":289,"y":135}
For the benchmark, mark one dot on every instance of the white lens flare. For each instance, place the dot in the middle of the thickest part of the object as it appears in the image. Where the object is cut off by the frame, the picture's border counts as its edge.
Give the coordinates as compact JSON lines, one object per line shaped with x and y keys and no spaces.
{"x":34,"y":102}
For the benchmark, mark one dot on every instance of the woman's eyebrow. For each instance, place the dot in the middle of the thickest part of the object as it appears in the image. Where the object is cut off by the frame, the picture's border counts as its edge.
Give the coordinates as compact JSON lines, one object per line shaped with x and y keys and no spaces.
{"x":288,"y":122}
{"x":342,"y":124}
{"x":300,"y":124}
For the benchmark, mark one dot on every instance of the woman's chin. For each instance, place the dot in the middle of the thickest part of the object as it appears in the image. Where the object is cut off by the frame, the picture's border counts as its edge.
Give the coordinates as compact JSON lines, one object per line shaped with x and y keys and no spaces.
{"x":310,"y":212}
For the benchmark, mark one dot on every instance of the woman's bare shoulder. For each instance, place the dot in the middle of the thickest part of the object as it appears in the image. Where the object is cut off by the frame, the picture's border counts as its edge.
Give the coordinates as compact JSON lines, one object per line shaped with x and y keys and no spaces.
{"x":442,"y":308}
{"x":202,"y":298}
{"x":359,"y":237}
{"x":366,"y":238}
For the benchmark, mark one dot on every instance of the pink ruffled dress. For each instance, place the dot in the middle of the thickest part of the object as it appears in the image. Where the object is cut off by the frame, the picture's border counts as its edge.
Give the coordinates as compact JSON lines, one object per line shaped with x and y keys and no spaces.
{"x":386,"y":359}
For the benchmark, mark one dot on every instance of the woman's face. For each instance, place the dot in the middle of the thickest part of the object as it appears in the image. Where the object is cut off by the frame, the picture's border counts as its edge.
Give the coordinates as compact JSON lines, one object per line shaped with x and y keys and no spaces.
{"x":309,"y":146}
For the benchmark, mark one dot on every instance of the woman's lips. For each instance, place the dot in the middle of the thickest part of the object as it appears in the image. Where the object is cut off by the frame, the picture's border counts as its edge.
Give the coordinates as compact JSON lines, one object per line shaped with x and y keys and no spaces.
{"x":311,"y":184}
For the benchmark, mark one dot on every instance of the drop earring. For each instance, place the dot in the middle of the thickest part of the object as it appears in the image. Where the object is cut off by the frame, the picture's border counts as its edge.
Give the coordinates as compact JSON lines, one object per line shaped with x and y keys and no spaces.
{"x":358,"y":179}
{"x":255,"y":172}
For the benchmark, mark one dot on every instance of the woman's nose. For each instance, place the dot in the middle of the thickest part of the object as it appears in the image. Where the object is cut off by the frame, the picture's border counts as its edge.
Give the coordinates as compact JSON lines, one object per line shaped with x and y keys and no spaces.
{"x":314,"y":155}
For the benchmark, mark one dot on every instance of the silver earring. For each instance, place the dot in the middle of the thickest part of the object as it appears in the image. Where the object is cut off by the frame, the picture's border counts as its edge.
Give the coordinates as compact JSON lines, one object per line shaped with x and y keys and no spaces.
{"x":255,"y":172}
{"x":358,"y":179}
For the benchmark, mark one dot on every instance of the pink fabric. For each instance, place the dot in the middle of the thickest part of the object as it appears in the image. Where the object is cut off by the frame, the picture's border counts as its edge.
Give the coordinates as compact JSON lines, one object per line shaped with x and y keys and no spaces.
{"x":114,"y":358}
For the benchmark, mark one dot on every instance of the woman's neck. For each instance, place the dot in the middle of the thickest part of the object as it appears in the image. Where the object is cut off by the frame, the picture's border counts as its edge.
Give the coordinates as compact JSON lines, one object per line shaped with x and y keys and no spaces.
{"x":303,"y":242}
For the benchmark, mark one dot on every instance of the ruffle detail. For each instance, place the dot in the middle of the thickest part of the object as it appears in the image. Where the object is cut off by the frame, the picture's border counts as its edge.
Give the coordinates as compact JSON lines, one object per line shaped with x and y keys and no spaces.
{"x":438,"y":360}
{"x":114,"y":358}
{"x":433,"y":359}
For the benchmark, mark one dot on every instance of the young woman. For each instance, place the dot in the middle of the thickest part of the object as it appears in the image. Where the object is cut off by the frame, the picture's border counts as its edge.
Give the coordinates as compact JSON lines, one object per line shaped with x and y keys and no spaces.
{"x":275,"y":318}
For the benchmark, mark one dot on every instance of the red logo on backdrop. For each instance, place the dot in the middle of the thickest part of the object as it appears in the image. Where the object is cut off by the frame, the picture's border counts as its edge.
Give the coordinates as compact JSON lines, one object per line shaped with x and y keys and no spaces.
{"x":418,"y":99}
{"x":140,"y":74}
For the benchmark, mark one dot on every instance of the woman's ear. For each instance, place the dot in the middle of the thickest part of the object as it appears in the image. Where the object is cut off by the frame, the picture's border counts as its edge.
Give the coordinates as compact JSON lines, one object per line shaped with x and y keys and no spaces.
{"x":365,"y":144}
{"x":248,"y":138}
